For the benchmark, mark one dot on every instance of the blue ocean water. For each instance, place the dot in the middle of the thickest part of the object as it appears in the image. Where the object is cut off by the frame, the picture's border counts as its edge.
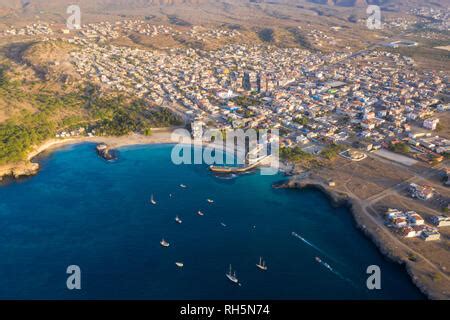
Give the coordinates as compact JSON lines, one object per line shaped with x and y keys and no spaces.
{"x":81,"y":210}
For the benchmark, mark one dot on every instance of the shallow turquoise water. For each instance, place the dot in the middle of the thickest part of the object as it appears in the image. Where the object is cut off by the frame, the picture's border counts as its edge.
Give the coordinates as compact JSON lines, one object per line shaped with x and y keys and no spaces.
{"x":85,"y":211}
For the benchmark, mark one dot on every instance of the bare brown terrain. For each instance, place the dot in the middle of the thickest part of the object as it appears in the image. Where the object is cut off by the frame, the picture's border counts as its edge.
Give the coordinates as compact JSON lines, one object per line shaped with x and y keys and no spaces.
{"x":372,"y":186}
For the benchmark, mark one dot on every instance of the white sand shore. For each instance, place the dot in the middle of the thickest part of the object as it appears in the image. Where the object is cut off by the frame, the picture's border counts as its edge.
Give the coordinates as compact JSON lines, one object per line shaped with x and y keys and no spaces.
{"x":28,"y":167}
{"x":114,"y":142}
{"x":159,"y":136}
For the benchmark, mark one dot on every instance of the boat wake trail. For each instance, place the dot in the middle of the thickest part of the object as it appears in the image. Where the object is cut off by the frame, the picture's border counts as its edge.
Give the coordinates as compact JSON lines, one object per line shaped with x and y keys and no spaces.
{"x":309,"y":243}
{"x":323,"y":263}
{"x":326,"y":265}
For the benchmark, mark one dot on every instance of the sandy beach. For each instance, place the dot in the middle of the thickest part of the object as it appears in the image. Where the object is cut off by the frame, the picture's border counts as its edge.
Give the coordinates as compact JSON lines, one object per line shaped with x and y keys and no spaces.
{"x":159,"y":136}
{"x":387,"y":244}
{"x":28,"y":167}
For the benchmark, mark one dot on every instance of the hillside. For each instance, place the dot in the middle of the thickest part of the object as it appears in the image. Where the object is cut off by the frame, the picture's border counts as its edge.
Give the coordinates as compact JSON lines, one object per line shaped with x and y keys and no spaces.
{"x":197,"y":11}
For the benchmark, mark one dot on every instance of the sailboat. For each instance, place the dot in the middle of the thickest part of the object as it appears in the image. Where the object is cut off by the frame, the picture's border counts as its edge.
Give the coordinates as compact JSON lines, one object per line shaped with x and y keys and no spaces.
{"x":262,"y":264}
{"x":178,"y":220}
{"x":164,"y":243}
{"x":232,"y":276}
{"x":152,"y":200}
{"x":200,"y":213}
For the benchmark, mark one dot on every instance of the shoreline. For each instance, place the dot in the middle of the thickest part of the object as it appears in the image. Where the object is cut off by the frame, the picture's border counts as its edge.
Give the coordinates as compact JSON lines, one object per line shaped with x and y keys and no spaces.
{"x":356,"y":207}
{"x":28,"y":167}
{"x":337,"y":198}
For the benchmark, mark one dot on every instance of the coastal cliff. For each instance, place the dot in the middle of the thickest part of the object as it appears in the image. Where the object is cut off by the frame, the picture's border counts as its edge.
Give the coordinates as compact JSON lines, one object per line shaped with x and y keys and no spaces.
{"x":415,"y":269}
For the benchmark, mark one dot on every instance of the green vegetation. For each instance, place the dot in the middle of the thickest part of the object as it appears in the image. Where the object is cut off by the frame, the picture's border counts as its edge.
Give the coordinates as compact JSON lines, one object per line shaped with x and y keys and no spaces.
{"x":332,"y":151}
{"x":412,"y":257}
{"x":16,"y":139}
{"x":173,"y":19}
{"x":436,"y":277}
{"x":10,"y":90}
{"x":115,"y":117}
{"x":246,"y":112}
{"x":18,"y":135}
{"x":266,"y":35}
{"x":295,"y":154}
{"x":301,"y":120}
{"x":56,"y":112}
{"x":246,"y":101}
{"x":400,"y":147}
{"x":301,"y":39}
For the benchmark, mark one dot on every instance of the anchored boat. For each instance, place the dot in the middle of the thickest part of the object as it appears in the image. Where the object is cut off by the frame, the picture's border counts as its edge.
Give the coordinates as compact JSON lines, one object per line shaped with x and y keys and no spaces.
{"x":232,"y":276}
{"x":262,"y":264}
{"x":164,"y":243}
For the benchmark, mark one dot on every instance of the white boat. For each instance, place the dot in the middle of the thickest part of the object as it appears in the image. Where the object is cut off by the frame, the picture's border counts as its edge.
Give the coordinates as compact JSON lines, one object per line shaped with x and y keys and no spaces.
{"x":232,"y":276}
{"x":210,"y":201}
{"x":183,"y":186}
{"x":223,"y":224}
{"x":164,"y":243}
{"x":178,"y":220}
{"x":179,"y":264}
{"x":262,"y":264}
{"x":200,"y":213}
{"x":152,"y":200}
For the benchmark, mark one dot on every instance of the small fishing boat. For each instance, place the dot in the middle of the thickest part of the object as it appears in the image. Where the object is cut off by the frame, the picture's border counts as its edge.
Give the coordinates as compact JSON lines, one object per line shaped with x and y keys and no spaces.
{"x":326,"y":265}
{"x":262,"y":264}
{"x":210,"y":201}
{"x":223,"y":224}
{"x":232,"y":276}
{"x":178,"y":220}
{"x":200,"y":213}
{"x":164,"y":243}
{"x":179,"y":264}
{"x":152,"y":200}
{"x":183,"y":186}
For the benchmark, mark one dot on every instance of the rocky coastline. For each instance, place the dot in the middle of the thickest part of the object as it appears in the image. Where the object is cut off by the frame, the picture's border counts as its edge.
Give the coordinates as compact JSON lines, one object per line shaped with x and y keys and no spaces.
{"x":21,"y":169}
{"x":106,"y":152}
{"x":393,"y":253}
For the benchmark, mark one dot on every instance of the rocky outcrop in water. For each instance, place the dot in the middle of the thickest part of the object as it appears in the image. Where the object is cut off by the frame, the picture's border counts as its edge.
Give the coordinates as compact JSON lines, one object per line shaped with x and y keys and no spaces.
{"x":19,"y":170}
{"x":104,"y":151}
